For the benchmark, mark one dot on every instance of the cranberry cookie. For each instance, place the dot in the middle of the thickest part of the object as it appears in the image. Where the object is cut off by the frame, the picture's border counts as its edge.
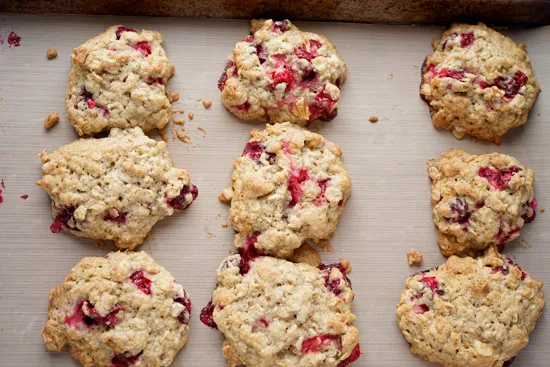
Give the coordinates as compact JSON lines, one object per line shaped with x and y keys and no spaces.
{"x":118,"y":80}
{"x":479,"y":200}
{"x":478,"y":82}
{"x":281,"y":74}
{"x":276,"y":313}
{"x":114,"y":188}
{"x":118,"y":311}
{"x":288,"y":186}
{"x":470,"y":312}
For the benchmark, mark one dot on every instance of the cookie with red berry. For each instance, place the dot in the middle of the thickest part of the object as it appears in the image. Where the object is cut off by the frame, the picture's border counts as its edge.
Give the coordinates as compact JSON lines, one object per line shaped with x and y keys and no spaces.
{"x":280,"y":74}
{"x":114,"y":188}
{"x":118,"y":311}
{"x":288,"y":186}
{"x":479,"y":200}
{"x":478,"y":82}
{"x":118,"y":79}
{"x":470,"y":312}
{"x":273,"y":312}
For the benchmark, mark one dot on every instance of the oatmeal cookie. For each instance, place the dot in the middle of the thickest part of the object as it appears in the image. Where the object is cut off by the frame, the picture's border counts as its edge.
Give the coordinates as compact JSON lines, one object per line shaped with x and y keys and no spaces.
{"x":118,"y":80}
{"x":281,"y":74}
{"x":276,"y":313}
{"x":478,"y":82}
{"x":470,"y":312}
{"x":114,"y":188}
{"x":119,"y":310}
{"x":288,"y":186}
{"x":479,"y":200}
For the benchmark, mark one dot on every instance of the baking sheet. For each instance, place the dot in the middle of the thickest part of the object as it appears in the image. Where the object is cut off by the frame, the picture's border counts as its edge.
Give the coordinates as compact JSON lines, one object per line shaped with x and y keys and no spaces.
{"x":388,"y":213}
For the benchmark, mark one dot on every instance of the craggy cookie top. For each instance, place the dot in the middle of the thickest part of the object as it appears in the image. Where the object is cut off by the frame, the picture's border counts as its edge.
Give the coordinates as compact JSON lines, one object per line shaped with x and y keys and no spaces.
{"x":276,"y":313}
{"x":280,"y":74}
{"x":114,"y":188}
{"x":479,"y":200}
{"x":288,"y":186}
{"x":118,"y":80}
{"x":478,"y":82}
{"x":470,"y":312}
{"x":120,"y":310}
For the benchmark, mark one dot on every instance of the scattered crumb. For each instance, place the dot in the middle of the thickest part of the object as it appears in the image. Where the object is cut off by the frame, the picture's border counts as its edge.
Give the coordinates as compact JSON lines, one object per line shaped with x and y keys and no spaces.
{"x":99,"y":244}
{"x":24,"y":197}
{"x":51,"y":120}
{"x":178,"y":122}
{"x":207,"y":103}
{"x":51,"y":53}
{"x":198,"y":99}
{"x":324,"y":245}
{"x":385,"y":118}
{"x":173,"y":96}
{"x":390,"y":77}
{"x":373,"y":119}
{"x":210,"y":235}
{"x":523,"y":244}
{"x":225,"y":225}
{"x":190,"y":115}
{"x":415,"y":66}
{"x":162,"y":133}
{"x":226,"y":195}
{"x":178,"y":111}
{"x":219,"y":215}
{"x":542,"y":210}
{"x":203,"y":132}
{"x":183,"y":136}
{"x":414,"y":257}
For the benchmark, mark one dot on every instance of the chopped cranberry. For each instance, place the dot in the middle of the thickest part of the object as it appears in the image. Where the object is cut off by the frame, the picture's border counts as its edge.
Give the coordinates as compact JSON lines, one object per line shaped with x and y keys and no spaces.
{"x":285,"y":75}
{"x":498,"y":178}
{"x":529,"y":211}
{"x":120,"y":218}
{"x":124,"y":360}
{"x":508,"y":362}
{"x":141,"y":281}
{"x":207,"y":315}
{"x":312,"y":345}
{"x":91,"y":103}
{"x":121,"y":30}
{"x":253,"y":150}
{"x":280,"y":27}
{"x":179,"y":202}
{"x":322,"y":107}
{"x":2,"y":184}
{"x":523,"y":274}
{"x":279,"y":60}
{"x":184,"y":316}
{"x":155,"y":81}
{"x":341,"y":203}
{"x":334,"y":284}
{"x":501,"y":269}
{"x":62,"y":219}
{"x":433,"y":284}
{"x":323,"y":188}
{"x":262,"y":54}
{"x":479,"y":205}
{"x":249,"y":38}
{"x":504,"y":234}
{"x":355,"y":354}
{"x":511,"y":85}
{"x":420,"y":309}
{"x":467,"y":39}
{"x":264,"y":321}
{"x":445,"y":73}
{"x":249,"y":253}
{"x":223,"y":77}
{"x":243,"y":107}
{"x":462,"y":214}
{"x":91,"y":317}
{"x":143,"y":47}
{"x":2,"y":199}
{"x":302,"y":53}
{"x":14,"y":40}
{"x":295,"y":182}
{"x":24,"y":197}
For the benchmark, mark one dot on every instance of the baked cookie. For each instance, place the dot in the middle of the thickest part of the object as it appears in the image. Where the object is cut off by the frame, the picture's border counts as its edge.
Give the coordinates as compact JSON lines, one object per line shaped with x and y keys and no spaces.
{"x":478,"y":82}
{"x":118,"y":311}
{"x":114,"y":188}
{"x":288,"y":186}
{"x":479,"y":200}
{"x":470,"y":312}
{"x":276,"y":313}
{"x":118,"y":79}
{"x":281,"y":74}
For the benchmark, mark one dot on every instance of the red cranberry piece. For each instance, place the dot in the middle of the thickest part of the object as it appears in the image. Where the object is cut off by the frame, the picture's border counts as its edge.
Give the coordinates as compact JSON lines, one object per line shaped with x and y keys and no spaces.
{"x":2,"y":184}
{"x":179,"y":202}
{"x":264,"y":321}
{"x":120,"y":219}
{"x":295,"y":182}
{"x":529,"y":211}
{"x":262,"y":54}
{"x":121,"y":30}
{"x":207,"y":315}
{"x":433,"y":284}
{"x":185,"y":315}
{"x":420,"y":309}
{"x":322,"y":107}
{"x":141,"y":281}
{"x":445,"y":73}
{"x":498,"y":178}
{"x":280,"y":27}
{"x":323,"y":186}
{"x":523,"y":274}
{"x":14,"y":40}
{"x":302,"y":53}
{"x":355,"y":354}
{"x":249,"y":253}
{"x":243,"y":107}
{"x":504,"y":235}
{"x":91,"y":318}
{"x":460,"y":209}
{"x":249,"y":38}
{"x":24,"y":197}
{"x":253,"y":150}
{"x":511,"y":85}
{"x":124,"y":360}
{"x":467,"y":39}
{"x":223,"y":77}
{"x":508,"y":362}
{"x":312,"y":345}
{"x":286,"y":75}
{"x":143,"y":47}
{"x":62,"y":218}
{"x":334,"y":284}
{"x":501,"y":269}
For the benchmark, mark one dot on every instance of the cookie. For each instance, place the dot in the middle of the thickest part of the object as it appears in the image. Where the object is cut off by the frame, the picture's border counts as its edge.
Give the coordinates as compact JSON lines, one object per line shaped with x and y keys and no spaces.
{"x":470,"y":312}
{"x":276,"y":313}
{"x":288,"y":186}
{"x":118,"y":79}
{"x":479,"y":200}
{"x":114,"y":188}
{"x":117,"y":311}
{"x":478,"y":82}
{"x":281,"y":74}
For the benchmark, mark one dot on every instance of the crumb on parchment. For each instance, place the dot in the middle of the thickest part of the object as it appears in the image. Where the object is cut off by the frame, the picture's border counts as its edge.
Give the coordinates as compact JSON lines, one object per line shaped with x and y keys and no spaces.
{"x":51,"y":120}
{"x":225,"y":225}
{"x":373,"y":119}
{"x":173,"y":96}
{"x":207,"y":103}
{"x":414,"y":257}
{"x":190,"y":115}
{"x":542,"y":210}
{"x":51,"y":53}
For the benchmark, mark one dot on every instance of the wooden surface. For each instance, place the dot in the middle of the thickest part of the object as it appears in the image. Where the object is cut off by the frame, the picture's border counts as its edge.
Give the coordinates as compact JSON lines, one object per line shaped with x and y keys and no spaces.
{"x":388,"y":213}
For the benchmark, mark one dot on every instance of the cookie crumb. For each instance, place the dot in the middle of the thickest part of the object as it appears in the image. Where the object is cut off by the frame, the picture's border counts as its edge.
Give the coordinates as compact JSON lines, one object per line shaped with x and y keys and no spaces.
{"x":198,"y":99}
{"x":226,"y":195}
{"x":523,"y":244}
{"x":414,"y":257}
{"x":219,"y":215}
{"x":51,"y":120}
{"x":542,"y":210}
{"x":99,"y":243}
{"x":24,"y":197}
{"x":190,"y":115}
{"x":225,"y":225}
{"x":203,"y":132}
{"x":162,"y":133}
{"x":173,"y":96}
{"x":51,"y":53}
{"x":178,"y":122}
{"x":390,"y":77}
{"x":210,"y":235}
{"x":207,"y":103}
{"x":183,"y":136}
{"x":373,"y":119}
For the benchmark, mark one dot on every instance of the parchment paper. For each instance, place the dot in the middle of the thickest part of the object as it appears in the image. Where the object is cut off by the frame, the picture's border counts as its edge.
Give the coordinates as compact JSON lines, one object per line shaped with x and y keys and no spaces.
{"x":388,"y":213}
